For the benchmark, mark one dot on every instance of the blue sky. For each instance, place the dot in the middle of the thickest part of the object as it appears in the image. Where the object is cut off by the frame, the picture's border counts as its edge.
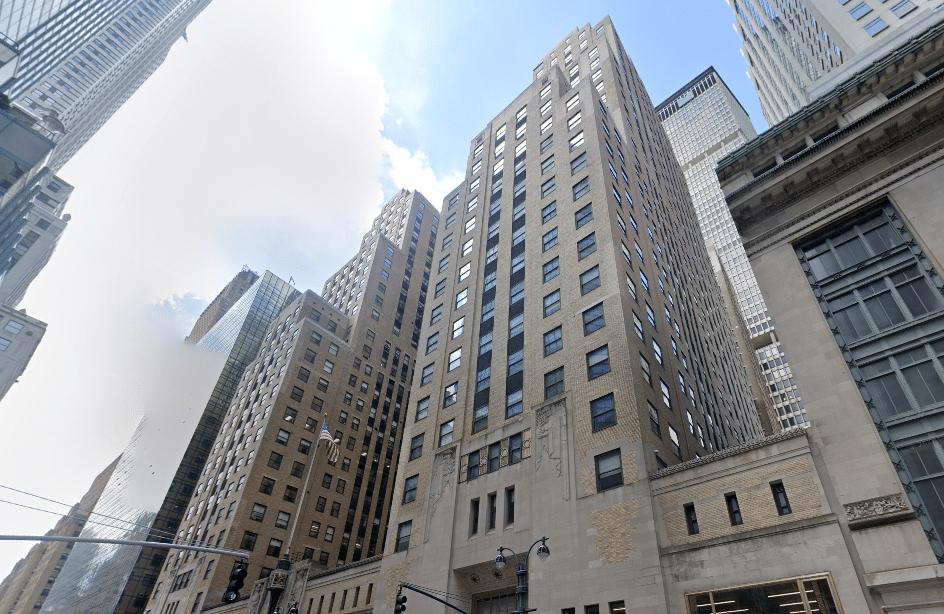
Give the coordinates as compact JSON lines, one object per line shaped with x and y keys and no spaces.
{"x":270,"y":140}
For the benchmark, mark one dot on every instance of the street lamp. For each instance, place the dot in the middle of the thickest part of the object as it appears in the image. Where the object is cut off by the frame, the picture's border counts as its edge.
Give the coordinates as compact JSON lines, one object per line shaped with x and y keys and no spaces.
{"x":521,"y":592}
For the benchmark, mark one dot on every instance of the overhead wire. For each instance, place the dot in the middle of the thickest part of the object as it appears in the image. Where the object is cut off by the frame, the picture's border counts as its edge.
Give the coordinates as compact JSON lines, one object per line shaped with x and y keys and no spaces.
{"x":29,"y":507}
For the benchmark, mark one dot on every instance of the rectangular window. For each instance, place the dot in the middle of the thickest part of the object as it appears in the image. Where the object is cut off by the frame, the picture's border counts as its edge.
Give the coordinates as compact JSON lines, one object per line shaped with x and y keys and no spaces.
{"x":860,"y":10}
{"x":513,"y":404}
{"x":548,"y":142}
{"x":514,"y":449}
{"x":510,"y":505}
{"x":455,"y":360}
{"x":609,"y":469}
{"x":445,"y":432}
{"x":573,"y":102}
{"x":515,"y":362}
{"x":583,"y":216}
{"x":593,"y":319}
{"x":422,"y":408}
{"x":416,"y":446}
{"x":581,"y":188}
{"x":674,"y":438}
{"x":552,"y":303}
{"x":553,"y":341}
{"x":780,"y":498}
{"x":403,"y":536}
{"x":547,"y":124}
{"x":551,"y":269}
{"x":547,"y":188}
{"x":480,"y":419}
{"x":450,"y":394}
{"x":554,"y":383}
{"x":409,"y":489}
{"x":494,"y":456}
{"x":654,"y":419}
{"x":734,"y":510}
{"x":473,"y":515}
{"x":547,"y":164}
{"x":691,"y":520}
{"x":603,"y":412}
{"x":578,"y":163}
{"x":586,"y":246}
{"x":598,"y":362}
{"x":516,"y":294}
{"x":574,"y":121}
{"x":590,"y":280}
{"x":432,"y":342}
{"x":576,"y":141}
{"x":549,"y":240}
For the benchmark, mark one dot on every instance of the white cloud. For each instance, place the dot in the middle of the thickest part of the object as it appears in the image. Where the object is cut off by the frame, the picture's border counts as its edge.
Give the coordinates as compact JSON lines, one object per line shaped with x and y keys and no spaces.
{"x":413,"y":172}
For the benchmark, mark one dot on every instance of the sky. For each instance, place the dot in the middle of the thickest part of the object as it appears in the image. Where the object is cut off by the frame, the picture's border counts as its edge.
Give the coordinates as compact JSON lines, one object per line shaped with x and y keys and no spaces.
{"x":269,"y":139}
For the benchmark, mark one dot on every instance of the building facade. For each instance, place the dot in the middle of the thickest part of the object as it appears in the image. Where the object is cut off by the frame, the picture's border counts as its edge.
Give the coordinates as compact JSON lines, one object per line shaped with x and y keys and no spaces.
{"x":576,"y":342}
{"x":705,"y":123}
{"x":147,"y":503}
{"x":221,"y":304}
{"x":798,"y":50}
{"x":843,"y":240}
{"x":344,"y":361}
{"x":25,"y":589}
{"x":19,"y":337}
{"x":78,"y":62}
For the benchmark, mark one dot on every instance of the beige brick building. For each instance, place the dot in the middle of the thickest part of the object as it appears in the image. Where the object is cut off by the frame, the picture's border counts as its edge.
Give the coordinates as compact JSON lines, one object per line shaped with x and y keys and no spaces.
{"x":346,"y":358}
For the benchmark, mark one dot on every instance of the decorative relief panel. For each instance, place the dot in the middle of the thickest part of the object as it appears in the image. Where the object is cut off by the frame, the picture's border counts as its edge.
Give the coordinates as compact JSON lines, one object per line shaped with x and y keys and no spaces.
{"x":551,"y":428}
{"x":444,"y":468}
{"x":464,"y":469}
{"x":503,"y":461}
{"x":872,"y":508}
{"x":526,"y":444}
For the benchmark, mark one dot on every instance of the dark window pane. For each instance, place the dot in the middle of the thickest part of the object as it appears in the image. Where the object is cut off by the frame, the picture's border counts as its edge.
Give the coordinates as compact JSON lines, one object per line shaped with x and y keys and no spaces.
{"x":824,"y":265}
{"x":925,"y":384}
{"x":888,"y":396}
{"x":918,"y":297}
{"x":852,"y":323}
{"x":852,"y":252}
{"x":884,"y":310}
{"x":882,"y":238}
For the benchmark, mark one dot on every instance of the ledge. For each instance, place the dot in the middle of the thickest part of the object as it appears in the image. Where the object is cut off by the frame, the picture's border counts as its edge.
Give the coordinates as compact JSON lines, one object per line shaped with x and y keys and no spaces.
{"x":876,"y":521}
{"x":797,"y":525}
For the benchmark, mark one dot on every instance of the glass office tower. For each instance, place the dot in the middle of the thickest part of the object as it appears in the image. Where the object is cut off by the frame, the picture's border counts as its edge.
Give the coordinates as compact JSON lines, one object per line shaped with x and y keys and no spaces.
{"x":704,"y":123}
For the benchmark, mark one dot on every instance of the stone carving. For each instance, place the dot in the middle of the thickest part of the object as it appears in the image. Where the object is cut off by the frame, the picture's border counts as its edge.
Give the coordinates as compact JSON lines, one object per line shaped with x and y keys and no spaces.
{"x":257,"y":597}
{"x":444,"y":466}
{"x":880,"y":506}
{"x":526,"y":443}
{"x":503,"y":459}
{"x":551,"y":427}
{"x":299,"y":580}
{"x":483,"y":464}
{"x":277,"y":579}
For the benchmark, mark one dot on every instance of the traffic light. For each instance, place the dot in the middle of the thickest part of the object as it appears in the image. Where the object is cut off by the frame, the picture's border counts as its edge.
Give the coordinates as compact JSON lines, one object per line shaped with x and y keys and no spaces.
{"x":401,"y":604}
{"x":235,"y":583}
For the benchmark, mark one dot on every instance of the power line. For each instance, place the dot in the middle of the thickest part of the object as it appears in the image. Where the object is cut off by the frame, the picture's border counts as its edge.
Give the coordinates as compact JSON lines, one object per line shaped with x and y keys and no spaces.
{"x":29,"y":507}
{"x":29,"y":494}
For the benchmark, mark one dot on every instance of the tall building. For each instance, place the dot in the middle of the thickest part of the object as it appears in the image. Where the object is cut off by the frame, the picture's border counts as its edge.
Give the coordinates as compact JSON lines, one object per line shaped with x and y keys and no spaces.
{"x":221,"y":304}
{"x":576,"y":342}
{"x":705,"y":123}
{"x":25,"y":589}
{"x":844,"y":240}
{"x":344,"y":361}
{"x":76,"y":63}
{"x":797,"y":51}
{"x":19,"y":337}
{"x":147,"y":496}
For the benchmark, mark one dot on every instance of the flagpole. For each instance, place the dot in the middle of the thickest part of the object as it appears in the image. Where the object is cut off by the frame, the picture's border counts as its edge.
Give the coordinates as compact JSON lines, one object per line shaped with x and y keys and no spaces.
{"x":301,"y":501}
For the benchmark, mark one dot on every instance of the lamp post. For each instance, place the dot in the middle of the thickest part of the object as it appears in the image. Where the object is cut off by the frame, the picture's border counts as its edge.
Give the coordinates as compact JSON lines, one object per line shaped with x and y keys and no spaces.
{"x":521,"y":592}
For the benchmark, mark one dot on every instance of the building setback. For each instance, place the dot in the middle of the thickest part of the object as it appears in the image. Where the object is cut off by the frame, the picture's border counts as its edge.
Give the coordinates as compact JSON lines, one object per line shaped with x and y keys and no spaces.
{"x":348,"y":356}
{"x":25,"y":589}
{"x":118,"y":579}
{"x":797,"y":51}
{"x":705,"y":123}
{"x":576,"y":341}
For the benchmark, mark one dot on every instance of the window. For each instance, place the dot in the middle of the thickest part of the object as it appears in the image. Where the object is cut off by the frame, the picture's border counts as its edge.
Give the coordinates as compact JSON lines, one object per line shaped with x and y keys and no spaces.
{"x":281,"y":521}
{"x":734,"y":510}
{"x":320,"y":505}
{"x":432,"y":342}
{"x":583,"y":216}
{"x":549,"y":240}
{"x":673,"y":436}
{"x":297,"y":393}
{"x":328,"y":366}
{"x":275,"y":460}
{"x":467,"y":247}
{"x":444,"y":264}
{"x":462,"y":298}
{"x":551,"y":269}
{"x":903,"y":8}
{"x":403,"y":536}
{"x":654,"y":419}
{"x":581,"y":188}
{"x":578,"y":163}
{"x":290,"y":414}
{"x":691,"y":520}
{"x":422,"y":408}
{"x":297,"y":469}
{"x":290,"y":493}
{"x":475,"y":460}
{"x":266,"y":486}
{"x":586,"y":246}
{"x":517,"y":264}
{"x":450,"y":394}
{"x":547,"y":164}
{"x":665,"y":394}
{"x":875,"y":27}
{"x":657,"y":350}
{"x":416,"y":446}
{"x":590,"y":280}
{"x":547,"y":188}
{"x":593,"y":319}
{"x":465,"y":271}
{"x":516,"y":325}
{"x":574,"y":121}
{"x":488,"y":311}
{"x":780,"y":498}
{"x":258,"y":512}
{"x":576,"y":141}
{"x":480,"y":419}
{"x":603,"y":412}
{"x":513,"y":404}
{"x":514,"y":449}
{"x":554,"y":383}
{"x":609,"y":467}
{"x":549,"y":141}
{"x":440,"y":288}
{"x":547,"y":124}
{"x":455,"y":359}
{"x":510,"y":505}
{"x":326,"y":480}
{"x":445,"y":432}
{"x":549,"y":212}
{"x":646,"y":372}
{"x":637,"y":325}
{"x":249,"y":541}
{"x":436,"y":314}
{"x":553,"y":341}
{"x":409,"y":489}
{"x":315,"y":529}
{"x":515,"y":362}
{"x":860,"y":11}
{"x":552,"y":303}
{"x":598,"y":362}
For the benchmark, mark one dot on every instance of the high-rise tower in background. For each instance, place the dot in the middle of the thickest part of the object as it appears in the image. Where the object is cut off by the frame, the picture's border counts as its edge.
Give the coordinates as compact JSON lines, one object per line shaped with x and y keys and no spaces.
{"x":704,"y":123}
{"x":576,"y":342}
{"x":796,"y":51}
{"x":147,"y":495}
{"x":77,"y":62}
{"x":344,"y":362}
